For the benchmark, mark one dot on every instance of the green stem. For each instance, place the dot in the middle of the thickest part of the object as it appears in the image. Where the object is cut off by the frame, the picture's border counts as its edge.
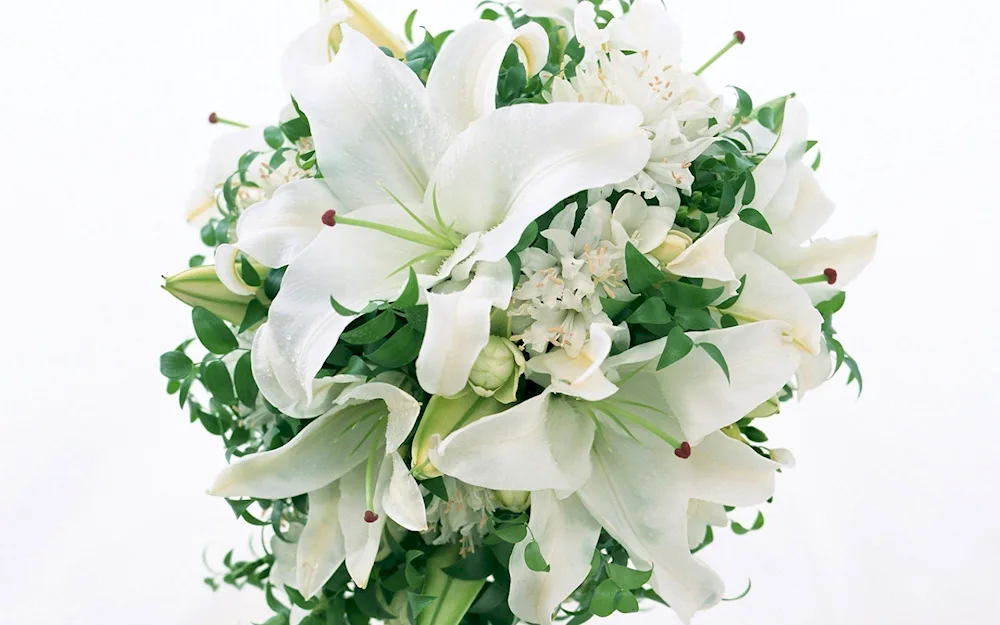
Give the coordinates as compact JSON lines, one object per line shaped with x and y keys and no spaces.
{"x":454,"y":596}
{"x":718,"y":55}
{"x":399,"y":233}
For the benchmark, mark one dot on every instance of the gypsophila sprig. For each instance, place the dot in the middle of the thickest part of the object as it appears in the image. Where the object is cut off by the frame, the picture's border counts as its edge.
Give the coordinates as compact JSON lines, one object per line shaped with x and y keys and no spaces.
{"x":499,"y":315}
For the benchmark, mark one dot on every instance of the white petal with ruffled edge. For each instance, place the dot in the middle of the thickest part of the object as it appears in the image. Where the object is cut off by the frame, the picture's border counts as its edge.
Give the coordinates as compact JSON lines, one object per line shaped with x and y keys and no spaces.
{"x":567,"y":535}
{"x":848,"y":256}
{"x":275,"y":231}
{"x":372,"y":124}
{"x":463,"y":82}
{"x":779,"y":168}
{"x":361,"y":538}
{"x":761,"y":359}
{"x":512,"y":178}
{"x":538,"y":444}
{"x":769,"y":293}
{"x":321,"y":546}
{"x":321,"y":453}
{"x":312,"y":48}
{"x":724,"y":470}
{"x":402,"y":409}
{"x":579,"y":376}
{"x":402,"y":501}
{"x":225,"y":269}
{"x":458,"y":328}
{"x":706,"y":258}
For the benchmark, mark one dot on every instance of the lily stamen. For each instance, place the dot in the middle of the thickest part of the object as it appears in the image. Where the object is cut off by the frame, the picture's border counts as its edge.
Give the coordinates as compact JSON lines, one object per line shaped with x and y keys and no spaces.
{"x":215,"y":119}
{"x":370,"y":515}
{"x":738,"y":39}
{"x":331,"y":219}
{"x":829,"y":276}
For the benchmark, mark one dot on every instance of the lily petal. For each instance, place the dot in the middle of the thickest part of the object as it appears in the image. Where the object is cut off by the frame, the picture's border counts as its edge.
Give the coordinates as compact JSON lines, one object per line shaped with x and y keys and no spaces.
{"x":463,"y":83}
{"x":355,"y":265}
{"x":579,"y":376}
{"x":647,"y":27}
{"x":361,"y":538}
{"x":403,"y":410}
{"x":560,"y":10}
{"x":313,"y":48}
{"x":513,"y":178}
{"x":814,"y":371}
{"x":849,"y":256}
{"x":372,"y":125}
{"x":706,"y":258}
{"x":321,"y":546}
{"x":458,"y":328}
{"x":812,"y":209}
{"x":770,"y":294}
{"x":225,"y":268}
{"x":567,"y":535}
{"x":760,"y":359}
{"x":649,"y":517}
{"x":538,"y":444}
{"x":724,"y":470}
{"x":778,"y":169}
{"x":322,"y":452}
{"x":402,"y":501}
{"x":275,"y":231}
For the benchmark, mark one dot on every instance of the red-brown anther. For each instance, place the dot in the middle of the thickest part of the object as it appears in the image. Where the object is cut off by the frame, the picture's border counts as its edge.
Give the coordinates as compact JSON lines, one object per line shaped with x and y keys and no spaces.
{"x":370,"y":517}
{"x":739,"y":36}
{"x":330,"y":218}
{"x":213,"y":118}
{"x":684,"y":451}
{"x":831,"y":275}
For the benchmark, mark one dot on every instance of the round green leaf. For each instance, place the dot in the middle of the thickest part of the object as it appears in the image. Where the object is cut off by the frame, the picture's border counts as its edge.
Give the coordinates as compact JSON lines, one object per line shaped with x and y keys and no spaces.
{"x":216,"y":379}
{"x":175,"y":365}
{"x":213,"y":332}
{"x":246,"y":387}
{"x":534,"y":559}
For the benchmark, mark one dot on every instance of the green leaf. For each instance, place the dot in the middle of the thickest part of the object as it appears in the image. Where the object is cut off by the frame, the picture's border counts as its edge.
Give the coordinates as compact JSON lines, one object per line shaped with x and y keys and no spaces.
{"x":652,"y":311}
{"x":772,"y":114}
{"x":728,"y":200}
{"x":642,"y":274}
{"x":534,"y":559}
{"x":274,"y":137}
{"x":255,"y":313}
{"x":855,"y":373}
{"x":613,"y":307}
{"x":603,"y":602}
{"x":417,"y":603}
{"x":626,"y":602}
{"x":716,"y":354}
{"x":185,"y":389}
{"x":732,"y":300}
{"x":371,"y":330}
{"x":216,"y":379}
{"x":213,"y":332}
{"x":411,"y":292}
{"x":749,"y":189}
{"x":696,"y":319}
{"x":246,"y":386}
{"x":744,"y":103}
{"x":678,"y":346}
{"x":513,"y":533}
{"x":833,"y":305}
{"x":527,"y":237}
{"x":741,"y":595}
{"x":740,"y":530}
{"x":175,"y":365}
{"x":248,"y":273}
{"x":272,"y":282}
{"x":341,"y":310}
{"x":728,"y":321}
{"x":400,"y":350}
{"x":408,"y":27}
{"x":626,"y":578}
{"x":196,"y":261}
{"x":752,"y":217}
{"x":437,"y":488}
{"x":754,"y":434}
{"x":239,"y":506}
{"x":208,"y":234}
{"x":684,"y":295}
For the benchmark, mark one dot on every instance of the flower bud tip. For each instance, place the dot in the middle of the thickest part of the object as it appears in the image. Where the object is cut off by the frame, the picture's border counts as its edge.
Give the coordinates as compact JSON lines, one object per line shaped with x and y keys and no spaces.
{"x":330,"y":218}
{"x":831,"y":275}
{"x":739,"y":36}
{"x":213,"y":118}
{"x":684,"y":451}
{"x":370,"y":517}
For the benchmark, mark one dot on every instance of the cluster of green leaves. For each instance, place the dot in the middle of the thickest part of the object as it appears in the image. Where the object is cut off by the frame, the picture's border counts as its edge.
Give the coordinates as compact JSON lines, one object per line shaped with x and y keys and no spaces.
{"x":840,"y":355}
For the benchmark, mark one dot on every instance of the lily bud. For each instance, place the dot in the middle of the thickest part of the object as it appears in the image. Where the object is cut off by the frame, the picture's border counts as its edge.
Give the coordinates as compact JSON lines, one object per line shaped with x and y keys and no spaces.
{"x":443,"y":416}
{"x":673,"y":245}
{"x":513,"y":500}
{"x":497,"y":370}
{"x":201,"y":286}
{"x":769,"y":408}
{"x":378,"y":33}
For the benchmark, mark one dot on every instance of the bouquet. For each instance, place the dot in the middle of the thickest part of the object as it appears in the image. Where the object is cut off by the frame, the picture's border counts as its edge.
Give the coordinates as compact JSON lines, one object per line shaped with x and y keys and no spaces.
{"x":498,"y":316}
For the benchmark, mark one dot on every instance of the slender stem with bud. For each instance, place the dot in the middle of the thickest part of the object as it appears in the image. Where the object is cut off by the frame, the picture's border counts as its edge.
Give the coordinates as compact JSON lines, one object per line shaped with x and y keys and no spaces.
{"x":738,"y":39}
{"x":215,"y":119}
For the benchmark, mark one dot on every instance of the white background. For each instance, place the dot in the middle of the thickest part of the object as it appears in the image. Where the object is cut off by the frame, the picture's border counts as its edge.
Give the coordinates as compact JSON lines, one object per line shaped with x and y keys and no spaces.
{"x":891,"y":516}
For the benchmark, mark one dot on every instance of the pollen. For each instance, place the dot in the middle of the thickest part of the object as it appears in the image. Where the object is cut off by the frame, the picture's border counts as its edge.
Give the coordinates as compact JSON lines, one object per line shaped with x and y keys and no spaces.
{"x":330,"y":218}
{"x":370,"y":516}
{"x":831,"y":275}
{"x":684,"y":451}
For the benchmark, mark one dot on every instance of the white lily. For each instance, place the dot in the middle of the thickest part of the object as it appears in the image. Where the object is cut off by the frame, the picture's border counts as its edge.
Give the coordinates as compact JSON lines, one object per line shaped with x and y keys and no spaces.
{"x":702,"y":515}
{"x":430,"y":178}
{"x":347,"y":461}
{"x":677,"y":106}
{"x":559,"y":10}
{"x":606,"y":434}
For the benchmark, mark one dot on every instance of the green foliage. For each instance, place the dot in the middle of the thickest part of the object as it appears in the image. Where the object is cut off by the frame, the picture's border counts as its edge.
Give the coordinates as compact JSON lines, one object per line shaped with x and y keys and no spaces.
{"x":213,"y":332}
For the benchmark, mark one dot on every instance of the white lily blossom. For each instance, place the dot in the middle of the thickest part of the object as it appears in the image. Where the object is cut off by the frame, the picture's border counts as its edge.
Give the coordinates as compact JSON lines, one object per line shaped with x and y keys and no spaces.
{"x":333,"y":459}
{"x":607,"y":432}
{"x":402,"y":163}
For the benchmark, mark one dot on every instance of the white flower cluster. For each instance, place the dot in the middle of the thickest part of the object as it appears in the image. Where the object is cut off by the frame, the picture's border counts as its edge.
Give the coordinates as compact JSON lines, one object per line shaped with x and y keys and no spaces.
{"x":541,"y":390}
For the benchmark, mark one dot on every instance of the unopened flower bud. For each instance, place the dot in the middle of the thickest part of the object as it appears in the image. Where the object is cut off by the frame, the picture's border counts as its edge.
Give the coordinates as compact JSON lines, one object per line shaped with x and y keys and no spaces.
{"x":443,"y":416}
{"x":672,"y":246}
{"x":513,"y":500}
{"x":201,"y":286}
{"x":497,"y":370}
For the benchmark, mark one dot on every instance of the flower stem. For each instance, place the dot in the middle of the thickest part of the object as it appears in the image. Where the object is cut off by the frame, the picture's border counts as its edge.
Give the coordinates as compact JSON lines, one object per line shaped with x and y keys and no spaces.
{"x":454,"y":596}
{"x":737,"y":39}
